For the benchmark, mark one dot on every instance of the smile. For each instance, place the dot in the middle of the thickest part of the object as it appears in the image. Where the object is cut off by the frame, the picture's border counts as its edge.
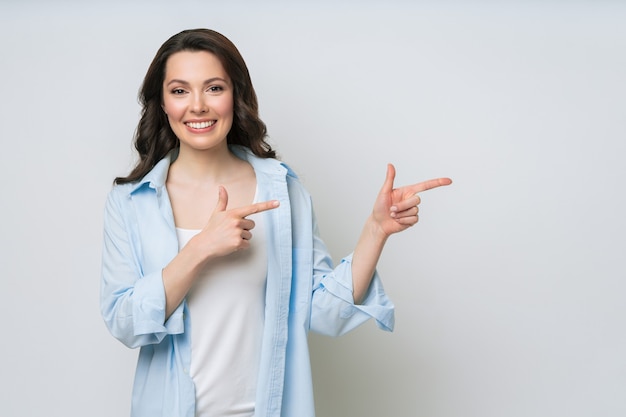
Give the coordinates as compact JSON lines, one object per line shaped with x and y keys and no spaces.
{"x":200,"y":125}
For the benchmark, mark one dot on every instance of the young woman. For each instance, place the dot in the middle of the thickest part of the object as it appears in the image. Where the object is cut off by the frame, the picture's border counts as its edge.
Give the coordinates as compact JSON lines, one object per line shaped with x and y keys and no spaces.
{"x":212,"y":263}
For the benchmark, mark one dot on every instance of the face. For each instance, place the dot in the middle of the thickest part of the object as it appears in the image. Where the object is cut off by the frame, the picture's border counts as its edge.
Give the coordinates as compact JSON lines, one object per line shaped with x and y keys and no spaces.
{"x":198,"y":100}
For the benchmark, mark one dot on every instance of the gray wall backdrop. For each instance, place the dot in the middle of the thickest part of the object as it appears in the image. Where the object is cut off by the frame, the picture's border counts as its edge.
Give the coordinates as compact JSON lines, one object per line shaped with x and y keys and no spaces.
{"x":509,"y":292}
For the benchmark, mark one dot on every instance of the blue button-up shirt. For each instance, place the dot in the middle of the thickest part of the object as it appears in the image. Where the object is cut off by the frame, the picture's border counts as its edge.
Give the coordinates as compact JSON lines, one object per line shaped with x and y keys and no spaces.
{"x":304,"y":292}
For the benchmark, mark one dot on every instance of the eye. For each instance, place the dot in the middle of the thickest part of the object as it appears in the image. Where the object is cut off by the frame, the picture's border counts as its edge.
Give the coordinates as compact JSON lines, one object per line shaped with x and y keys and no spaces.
{"x":178,"y":91}
{"x":215,"y":89}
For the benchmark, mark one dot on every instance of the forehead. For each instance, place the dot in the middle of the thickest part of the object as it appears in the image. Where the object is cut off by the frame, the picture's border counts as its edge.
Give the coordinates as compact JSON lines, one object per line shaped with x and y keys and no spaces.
{"x":189,"y":65}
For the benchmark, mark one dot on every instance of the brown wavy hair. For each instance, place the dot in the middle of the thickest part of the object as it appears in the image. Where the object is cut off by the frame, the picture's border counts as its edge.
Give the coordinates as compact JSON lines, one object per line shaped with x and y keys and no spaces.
{"x":154,"y":137}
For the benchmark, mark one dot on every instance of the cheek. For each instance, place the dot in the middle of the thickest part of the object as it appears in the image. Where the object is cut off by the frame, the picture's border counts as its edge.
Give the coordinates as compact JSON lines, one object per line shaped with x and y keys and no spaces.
{"x":172,"y":109}
{"x":225,"y":107}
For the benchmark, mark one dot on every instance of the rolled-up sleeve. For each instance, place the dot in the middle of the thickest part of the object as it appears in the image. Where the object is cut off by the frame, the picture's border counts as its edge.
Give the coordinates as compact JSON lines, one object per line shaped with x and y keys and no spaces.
{"x":132,"y":303}
{"x":333,"y":311}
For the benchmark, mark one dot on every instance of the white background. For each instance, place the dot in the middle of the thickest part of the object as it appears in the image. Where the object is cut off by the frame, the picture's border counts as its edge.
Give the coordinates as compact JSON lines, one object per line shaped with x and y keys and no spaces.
{"x":509,"y":292}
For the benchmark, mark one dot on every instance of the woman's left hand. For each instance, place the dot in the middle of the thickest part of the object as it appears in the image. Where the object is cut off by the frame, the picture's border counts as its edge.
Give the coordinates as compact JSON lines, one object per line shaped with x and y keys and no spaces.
{"x":396,"y":209}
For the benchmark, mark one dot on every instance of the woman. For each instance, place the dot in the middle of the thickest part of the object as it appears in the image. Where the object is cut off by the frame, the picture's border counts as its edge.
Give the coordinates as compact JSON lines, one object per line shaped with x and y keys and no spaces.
{"x":221,"y":317}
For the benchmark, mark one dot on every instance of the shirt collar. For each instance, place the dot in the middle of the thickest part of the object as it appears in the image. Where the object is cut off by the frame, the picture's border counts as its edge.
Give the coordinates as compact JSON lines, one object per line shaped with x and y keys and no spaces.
{"x":265,"y":165}
{"x":158,"y":175}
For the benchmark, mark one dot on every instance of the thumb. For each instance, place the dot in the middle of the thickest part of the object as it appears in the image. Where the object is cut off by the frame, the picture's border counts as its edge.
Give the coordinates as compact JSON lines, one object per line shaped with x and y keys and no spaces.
{"x":391,"y":175}
{"x":222,"y":199}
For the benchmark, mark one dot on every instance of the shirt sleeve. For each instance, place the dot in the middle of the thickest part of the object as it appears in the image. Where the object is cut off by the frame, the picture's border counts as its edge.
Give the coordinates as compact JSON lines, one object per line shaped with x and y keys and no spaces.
{"x":132,"y":303}
{"x":333,"y":311}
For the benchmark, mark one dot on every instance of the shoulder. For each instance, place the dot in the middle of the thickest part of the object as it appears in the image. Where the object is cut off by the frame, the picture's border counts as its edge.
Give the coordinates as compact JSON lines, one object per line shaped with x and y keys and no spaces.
{"x":120,"y":192}
{"x":153,"y":180}
{"x":269,"y":166}
{"x":118,"y":201}
{"x":274,"y":171}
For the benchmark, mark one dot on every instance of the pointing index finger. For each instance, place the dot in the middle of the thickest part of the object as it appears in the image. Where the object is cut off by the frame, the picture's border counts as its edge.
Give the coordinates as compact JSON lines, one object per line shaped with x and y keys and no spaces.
{"x":430,"y":184}
{"x":257,"y":208}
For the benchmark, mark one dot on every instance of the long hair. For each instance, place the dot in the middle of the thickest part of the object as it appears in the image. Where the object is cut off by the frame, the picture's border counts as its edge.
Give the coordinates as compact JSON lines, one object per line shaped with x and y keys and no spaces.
{"x":154,"y":137}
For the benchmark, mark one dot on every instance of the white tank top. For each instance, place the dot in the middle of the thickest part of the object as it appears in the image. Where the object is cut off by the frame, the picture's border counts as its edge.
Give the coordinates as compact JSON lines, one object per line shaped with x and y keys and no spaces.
{"x":226,"y":307}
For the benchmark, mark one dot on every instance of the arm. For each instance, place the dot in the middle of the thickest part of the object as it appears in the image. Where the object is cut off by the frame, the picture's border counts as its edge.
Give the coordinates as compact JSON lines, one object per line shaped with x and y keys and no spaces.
{"x":395,"y":210}
{"x":131,"y":298}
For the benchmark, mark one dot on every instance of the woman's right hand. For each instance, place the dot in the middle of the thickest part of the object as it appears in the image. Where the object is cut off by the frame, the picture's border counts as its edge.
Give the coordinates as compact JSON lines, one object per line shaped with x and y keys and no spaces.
{"x":228,"y":231}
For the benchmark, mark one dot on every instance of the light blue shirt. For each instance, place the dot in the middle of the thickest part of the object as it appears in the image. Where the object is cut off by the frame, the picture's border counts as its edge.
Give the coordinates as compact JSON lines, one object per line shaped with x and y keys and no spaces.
{"x":304,"y":292}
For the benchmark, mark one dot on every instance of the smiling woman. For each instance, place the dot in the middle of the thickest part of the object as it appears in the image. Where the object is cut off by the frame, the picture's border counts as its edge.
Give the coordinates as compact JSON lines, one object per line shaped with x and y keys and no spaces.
{"x":211,"y":233}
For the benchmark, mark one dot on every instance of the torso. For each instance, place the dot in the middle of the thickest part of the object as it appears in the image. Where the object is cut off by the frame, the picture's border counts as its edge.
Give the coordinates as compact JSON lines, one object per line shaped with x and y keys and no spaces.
{"x":226,"y":303}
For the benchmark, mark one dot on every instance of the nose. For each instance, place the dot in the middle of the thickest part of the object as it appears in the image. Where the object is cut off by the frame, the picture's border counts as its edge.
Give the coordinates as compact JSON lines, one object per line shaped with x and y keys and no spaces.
{"x":198,"y":104}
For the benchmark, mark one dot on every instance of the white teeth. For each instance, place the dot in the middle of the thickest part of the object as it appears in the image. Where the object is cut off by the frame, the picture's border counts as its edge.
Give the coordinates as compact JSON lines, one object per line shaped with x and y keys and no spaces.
{"x":201,"y":125}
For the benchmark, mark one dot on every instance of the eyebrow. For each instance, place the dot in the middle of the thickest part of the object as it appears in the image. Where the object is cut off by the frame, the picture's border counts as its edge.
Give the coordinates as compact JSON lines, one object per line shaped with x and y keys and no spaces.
{"x":209,"y":81}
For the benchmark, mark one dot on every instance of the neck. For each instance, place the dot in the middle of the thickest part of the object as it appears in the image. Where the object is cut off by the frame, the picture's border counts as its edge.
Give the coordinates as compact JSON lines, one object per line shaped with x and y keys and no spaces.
{"x":215,"y":165}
